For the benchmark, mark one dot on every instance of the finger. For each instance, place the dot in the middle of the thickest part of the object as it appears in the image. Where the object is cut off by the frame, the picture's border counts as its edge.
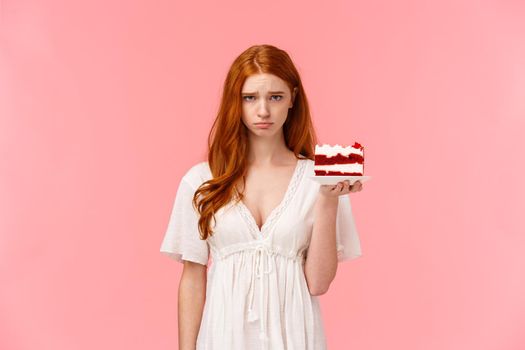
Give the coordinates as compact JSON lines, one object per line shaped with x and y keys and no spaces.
{"x":357,"y":186}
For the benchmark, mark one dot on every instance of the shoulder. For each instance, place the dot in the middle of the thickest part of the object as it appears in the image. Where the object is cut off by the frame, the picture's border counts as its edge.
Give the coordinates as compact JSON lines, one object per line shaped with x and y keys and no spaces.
{"x":197,"y":174}
{"x":310,"y":184}
{"x":309,"y":166}
{"x":308,"y":161}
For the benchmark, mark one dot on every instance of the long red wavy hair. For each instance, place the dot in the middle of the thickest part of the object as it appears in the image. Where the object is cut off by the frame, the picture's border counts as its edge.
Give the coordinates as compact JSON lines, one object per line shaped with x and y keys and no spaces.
{"x":228,"y":137}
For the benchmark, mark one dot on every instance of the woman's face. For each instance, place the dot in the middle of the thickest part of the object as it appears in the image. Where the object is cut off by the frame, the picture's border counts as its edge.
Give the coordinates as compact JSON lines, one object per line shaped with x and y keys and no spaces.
{"x":265,"y":102}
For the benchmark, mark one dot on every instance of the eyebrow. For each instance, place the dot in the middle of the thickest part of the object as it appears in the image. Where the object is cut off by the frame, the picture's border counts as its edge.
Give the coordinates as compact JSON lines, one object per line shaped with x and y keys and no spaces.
{"x":271,"y":92}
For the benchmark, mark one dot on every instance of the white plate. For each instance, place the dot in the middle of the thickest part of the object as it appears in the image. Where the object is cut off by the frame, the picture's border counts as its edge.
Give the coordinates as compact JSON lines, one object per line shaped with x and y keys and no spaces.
{"x":333,"y":180}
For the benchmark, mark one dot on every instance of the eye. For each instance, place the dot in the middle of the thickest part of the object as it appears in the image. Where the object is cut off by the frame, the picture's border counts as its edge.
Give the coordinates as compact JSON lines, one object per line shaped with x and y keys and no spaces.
{"x":251,"y":98}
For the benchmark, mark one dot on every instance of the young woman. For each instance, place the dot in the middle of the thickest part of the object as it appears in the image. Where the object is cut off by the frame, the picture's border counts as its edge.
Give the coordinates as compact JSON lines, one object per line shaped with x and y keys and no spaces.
{"x":274,"y":235}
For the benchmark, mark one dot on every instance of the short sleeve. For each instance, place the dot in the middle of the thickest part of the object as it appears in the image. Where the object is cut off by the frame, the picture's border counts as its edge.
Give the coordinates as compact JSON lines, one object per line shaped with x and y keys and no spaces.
{"x":348,"y":244}
{"x":182,"y":238}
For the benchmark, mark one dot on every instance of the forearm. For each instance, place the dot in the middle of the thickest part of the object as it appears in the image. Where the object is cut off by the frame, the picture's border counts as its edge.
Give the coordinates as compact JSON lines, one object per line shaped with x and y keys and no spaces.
{"x":321,"y":260}
{"x":192,"y":296}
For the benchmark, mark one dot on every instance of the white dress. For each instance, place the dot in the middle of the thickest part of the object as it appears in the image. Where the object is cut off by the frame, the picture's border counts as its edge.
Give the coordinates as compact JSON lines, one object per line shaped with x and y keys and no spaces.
{"x":256,"y":294}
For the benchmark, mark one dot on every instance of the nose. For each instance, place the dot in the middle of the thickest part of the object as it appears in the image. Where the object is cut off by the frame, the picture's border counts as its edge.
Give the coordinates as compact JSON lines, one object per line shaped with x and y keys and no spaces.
{"x":262,"y":110}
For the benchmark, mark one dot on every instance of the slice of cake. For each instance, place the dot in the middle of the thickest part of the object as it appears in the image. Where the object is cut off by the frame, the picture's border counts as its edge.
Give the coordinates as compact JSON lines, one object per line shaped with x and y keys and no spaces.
{"x":339,"y":160}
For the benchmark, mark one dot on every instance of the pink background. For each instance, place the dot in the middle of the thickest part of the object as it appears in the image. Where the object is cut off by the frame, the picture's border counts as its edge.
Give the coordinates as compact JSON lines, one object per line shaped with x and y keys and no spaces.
{"x":105,"y":104}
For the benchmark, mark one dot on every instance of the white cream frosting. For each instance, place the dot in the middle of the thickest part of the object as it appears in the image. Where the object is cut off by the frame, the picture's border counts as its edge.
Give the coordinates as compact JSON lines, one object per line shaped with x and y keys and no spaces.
{"x":345,"y":168}
{"x":331,"y":151}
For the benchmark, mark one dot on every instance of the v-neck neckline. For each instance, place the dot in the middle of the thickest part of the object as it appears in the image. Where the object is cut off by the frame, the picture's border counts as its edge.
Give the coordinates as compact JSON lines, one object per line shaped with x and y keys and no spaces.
{"x":274,"y":213}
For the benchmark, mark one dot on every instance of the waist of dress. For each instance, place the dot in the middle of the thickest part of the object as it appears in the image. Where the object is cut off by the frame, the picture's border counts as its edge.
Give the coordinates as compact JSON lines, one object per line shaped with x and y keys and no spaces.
{"x":263,"y":265}
{"x":255,"y":246}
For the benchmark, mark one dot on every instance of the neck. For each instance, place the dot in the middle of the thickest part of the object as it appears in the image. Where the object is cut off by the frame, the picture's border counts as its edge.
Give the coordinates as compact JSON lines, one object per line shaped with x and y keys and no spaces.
{"x":268,"y":150}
